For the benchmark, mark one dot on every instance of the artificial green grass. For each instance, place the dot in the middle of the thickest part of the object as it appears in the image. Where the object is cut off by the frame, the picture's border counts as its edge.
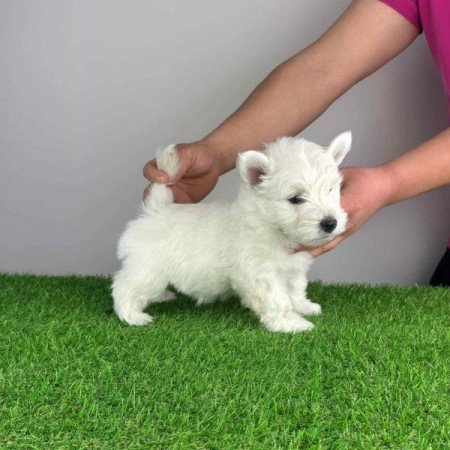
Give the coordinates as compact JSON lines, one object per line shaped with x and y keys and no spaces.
{"x":374,"y":373}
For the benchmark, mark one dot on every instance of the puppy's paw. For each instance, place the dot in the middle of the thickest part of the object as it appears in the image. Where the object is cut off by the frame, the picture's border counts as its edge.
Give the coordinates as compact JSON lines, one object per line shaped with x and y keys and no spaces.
{"x":287,"y":322}
{"x":307,"y":308}
{"x":137,"y":318}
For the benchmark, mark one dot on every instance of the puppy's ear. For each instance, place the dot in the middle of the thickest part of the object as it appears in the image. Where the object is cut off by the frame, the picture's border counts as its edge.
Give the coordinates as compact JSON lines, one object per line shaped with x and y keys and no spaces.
{"x":252,"y":165}
{"x":340,"y":146}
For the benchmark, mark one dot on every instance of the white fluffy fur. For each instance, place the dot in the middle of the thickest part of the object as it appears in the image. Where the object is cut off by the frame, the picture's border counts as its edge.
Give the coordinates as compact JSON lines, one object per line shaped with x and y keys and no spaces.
{"x":245,"y":246}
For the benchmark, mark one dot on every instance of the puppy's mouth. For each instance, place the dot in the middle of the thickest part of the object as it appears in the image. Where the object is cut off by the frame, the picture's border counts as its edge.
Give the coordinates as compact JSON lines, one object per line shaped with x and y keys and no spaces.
{"x":322,"y":239}
{"x":317,"y":242}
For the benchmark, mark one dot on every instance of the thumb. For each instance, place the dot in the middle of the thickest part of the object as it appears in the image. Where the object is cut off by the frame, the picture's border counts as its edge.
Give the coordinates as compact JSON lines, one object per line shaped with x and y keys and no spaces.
{"x":186,"y":159}
{"x":327,"y":247}
{"x":153,"y":174}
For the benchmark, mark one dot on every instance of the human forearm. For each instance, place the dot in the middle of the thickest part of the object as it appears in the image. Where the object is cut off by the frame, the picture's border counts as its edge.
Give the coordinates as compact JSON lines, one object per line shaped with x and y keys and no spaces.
{"x":422,"y":169}
{"x":291,"y":97}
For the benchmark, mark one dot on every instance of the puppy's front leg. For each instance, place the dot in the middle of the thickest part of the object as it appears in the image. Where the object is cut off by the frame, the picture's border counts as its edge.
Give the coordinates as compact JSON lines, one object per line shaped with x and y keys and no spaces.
{"x":269,"y":298}
{"x":297,"y":283}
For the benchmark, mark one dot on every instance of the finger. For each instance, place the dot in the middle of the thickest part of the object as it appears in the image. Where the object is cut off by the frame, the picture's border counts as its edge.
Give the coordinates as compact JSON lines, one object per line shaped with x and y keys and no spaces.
{"x":186,"y":160}
{"x":153,"y":174}
{"x":327,"y":247}
{"x":180,"y":196}
{"x":314,"y":251}
{"x":194,"y":163}
{"x":317,"y":251}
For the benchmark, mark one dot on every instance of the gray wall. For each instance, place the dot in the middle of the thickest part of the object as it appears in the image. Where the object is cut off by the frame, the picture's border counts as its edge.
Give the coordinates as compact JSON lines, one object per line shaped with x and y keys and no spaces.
{"x":90,"y":89}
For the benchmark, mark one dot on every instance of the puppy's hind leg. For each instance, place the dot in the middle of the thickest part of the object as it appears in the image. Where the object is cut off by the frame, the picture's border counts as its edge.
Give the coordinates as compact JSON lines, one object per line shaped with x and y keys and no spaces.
{"x":132,"y":294}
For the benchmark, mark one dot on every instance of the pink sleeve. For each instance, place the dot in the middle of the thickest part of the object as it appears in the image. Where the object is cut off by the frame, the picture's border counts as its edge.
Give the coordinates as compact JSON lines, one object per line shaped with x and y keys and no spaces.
{"x":409,"y":9}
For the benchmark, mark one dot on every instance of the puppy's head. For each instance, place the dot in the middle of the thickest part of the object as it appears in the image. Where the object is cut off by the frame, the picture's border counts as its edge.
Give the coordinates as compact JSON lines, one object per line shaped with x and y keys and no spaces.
{"x":295,"y":186}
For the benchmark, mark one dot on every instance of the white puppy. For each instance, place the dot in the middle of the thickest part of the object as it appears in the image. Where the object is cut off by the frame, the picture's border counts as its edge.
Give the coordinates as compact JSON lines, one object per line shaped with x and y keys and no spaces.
{"x":290,"y":195}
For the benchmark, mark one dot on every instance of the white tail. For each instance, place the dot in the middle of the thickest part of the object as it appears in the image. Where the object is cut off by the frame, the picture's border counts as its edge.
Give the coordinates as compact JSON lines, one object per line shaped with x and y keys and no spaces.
{"x":161,"y":194}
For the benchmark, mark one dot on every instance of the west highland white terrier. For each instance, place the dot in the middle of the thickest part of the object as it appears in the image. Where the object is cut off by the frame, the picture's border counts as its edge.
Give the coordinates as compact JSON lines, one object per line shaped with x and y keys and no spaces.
{"x":289,"y":196}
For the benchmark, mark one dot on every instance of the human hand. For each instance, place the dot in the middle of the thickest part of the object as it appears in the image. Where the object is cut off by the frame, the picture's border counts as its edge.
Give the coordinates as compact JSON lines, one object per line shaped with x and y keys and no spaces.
{"x":197,"y":176}
{"x":364,"y":191}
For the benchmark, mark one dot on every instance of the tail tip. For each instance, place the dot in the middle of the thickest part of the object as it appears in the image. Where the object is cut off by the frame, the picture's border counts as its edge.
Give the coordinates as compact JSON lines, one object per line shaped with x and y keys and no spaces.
{"x":167,"y":160}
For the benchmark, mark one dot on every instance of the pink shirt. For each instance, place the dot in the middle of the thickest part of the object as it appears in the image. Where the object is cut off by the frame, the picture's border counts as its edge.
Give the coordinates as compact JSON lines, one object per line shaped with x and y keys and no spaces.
{"x":433,"y":18}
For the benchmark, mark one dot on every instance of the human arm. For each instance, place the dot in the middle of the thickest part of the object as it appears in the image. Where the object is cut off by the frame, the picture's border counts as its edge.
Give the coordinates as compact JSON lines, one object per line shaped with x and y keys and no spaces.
{"x":365,"y":37}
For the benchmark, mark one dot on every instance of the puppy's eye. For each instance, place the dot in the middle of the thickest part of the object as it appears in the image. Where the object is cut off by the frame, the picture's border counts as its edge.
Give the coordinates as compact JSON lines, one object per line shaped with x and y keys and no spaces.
{"x":296,"y":200}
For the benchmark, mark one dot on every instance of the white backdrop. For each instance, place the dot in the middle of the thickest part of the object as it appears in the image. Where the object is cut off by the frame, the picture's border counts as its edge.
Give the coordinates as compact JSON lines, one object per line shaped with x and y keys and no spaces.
{"x":90,"y":89}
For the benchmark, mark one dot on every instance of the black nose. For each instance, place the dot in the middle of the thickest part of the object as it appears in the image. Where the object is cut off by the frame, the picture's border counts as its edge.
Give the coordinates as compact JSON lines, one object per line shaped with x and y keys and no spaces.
{"x":328,"y":224}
